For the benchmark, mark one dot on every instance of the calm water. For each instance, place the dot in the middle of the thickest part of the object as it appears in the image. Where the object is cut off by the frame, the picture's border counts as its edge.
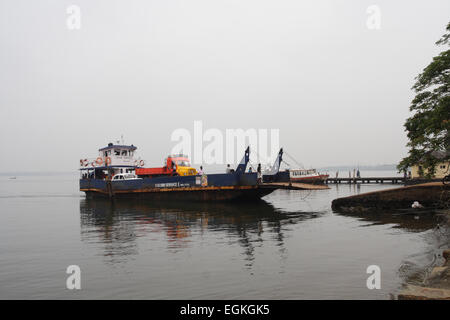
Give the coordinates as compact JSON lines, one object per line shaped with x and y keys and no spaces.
{"x":289,"y":246}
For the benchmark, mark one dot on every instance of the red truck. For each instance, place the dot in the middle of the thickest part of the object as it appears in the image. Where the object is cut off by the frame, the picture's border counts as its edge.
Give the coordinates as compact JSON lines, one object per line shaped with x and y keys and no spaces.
{"x":175,"y":165}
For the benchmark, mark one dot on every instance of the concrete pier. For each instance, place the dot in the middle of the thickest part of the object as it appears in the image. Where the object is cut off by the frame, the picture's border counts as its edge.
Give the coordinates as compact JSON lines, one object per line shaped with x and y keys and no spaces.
{"x":392,"y":180}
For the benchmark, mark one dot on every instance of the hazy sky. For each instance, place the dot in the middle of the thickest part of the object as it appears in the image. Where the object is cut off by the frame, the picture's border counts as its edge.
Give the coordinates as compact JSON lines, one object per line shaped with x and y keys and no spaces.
{"x":338,"y":91}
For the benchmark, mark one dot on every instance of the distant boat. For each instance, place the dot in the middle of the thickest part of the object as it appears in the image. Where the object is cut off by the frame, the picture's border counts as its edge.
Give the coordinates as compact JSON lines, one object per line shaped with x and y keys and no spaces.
{"x":307,"y":176}
{"x":12,"y":178}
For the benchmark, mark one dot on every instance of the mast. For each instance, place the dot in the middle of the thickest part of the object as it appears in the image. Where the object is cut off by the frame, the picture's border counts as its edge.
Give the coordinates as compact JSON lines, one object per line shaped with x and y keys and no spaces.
{"x":276,"y":165}
{"x":243,"y":164}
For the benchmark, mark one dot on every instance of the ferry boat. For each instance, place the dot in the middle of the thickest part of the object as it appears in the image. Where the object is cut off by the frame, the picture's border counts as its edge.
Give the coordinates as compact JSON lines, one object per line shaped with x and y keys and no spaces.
{"x":117,"y":172}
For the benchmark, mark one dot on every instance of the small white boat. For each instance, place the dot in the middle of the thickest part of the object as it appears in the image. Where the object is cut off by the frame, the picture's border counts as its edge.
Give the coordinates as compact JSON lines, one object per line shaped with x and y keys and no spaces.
{"x":307,"y":176}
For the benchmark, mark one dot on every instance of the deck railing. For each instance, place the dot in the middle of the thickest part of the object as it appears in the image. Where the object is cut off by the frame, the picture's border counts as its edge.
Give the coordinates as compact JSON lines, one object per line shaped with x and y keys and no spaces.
{"x":86,"y":163}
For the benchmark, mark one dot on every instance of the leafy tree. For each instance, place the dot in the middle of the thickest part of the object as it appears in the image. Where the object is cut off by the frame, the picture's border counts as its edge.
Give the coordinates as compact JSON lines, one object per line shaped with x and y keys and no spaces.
{"x":428,"y":127}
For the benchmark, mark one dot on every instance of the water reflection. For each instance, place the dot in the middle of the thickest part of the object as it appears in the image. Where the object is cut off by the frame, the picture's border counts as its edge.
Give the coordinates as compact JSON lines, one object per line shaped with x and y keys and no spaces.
{"x":435,"y":233}
{"x":117,"y":225}
{"x":408,"y":220}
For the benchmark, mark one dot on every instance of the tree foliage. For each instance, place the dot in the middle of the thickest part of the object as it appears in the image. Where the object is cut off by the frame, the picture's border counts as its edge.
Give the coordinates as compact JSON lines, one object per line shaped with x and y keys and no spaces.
{"x":428,"y":127}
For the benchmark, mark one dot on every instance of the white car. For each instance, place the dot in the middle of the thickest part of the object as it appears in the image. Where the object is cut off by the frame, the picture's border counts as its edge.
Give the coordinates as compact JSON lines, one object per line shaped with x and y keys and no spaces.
{"x":125,"y":176}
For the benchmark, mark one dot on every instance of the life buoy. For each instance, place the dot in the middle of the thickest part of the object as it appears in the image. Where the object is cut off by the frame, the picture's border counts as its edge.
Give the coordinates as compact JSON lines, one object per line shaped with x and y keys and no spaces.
{"x":107,"y":161}
{"x":141,"y":163}
{"x":99,"y":161}
{"x":85,"y":162}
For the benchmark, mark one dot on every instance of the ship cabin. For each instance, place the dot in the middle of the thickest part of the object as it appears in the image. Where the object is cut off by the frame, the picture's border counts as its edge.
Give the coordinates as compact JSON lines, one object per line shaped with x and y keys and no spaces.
{"x":111,"y":160}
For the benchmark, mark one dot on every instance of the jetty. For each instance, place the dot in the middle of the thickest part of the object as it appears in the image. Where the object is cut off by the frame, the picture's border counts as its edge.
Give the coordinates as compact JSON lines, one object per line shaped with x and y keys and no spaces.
{"x":388,"y":180}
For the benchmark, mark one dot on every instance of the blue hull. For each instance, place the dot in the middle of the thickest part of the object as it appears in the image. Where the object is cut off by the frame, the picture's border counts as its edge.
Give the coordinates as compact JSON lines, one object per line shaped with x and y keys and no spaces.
{"x":191,"y":188}
{"x":281,"y":176}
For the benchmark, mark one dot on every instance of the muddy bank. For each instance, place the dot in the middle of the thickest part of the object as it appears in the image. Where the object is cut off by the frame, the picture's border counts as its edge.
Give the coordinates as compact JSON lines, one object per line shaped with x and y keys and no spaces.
{"x":429,"y":195}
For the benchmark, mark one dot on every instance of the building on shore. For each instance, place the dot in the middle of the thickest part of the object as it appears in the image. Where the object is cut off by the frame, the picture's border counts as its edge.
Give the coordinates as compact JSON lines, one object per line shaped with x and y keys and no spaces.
{"x":441,"y":170}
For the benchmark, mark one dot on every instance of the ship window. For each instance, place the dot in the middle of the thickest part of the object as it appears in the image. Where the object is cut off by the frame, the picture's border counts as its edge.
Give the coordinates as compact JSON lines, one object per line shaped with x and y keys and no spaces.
{"x":117,"y":152}
{"x":124,"y":152}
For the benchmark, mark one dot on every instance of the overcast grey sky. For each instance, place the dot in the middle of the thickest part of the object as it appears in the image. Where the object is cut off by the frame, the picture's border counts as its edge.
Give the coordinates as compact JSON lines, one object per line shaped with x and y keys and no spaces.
{"x":338,"y":92}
